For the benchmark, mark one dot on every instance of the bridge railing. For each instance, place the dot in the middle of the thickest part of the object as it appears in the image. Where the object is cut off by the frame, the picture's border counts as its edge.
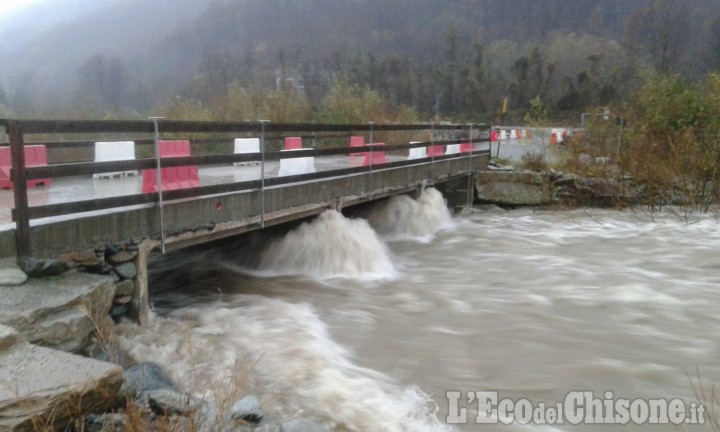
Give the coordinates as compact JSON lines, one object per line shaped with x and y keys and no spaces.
{"x":83,"y":134}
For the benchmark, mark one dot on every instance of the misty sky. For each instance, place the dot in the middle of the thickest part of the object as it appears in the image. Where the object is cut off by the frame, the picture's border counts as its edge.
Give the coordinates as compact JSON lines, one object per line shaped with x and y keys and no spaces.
{"x":7,"y":6}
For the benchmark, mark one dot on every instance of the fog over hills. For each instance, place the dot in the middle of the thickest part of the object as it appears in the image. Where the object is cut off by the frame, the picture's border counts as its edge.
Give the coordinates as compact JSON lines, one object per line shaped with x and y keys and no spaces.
{"x":418,"y":52}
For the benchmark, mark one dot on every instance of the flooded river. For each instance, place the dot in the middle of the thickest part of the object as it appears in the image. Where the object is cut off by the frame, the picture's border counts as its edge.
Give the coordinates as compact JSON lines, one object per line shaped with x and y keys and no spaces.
{"x":365,"y":326}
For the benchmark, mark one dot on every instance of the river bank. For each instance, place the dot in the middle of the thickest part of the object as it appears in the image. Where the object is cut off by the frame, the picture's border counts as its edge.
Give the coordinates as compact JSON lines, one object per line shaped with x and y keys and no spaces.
{"x":309,"y":345}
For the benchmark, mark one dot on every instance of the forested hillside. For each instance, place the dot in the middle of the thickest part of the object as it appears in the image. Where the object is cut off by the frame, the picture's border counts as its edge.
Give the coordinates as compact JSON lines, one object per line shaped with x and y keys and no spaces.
{"x":293,"y":59}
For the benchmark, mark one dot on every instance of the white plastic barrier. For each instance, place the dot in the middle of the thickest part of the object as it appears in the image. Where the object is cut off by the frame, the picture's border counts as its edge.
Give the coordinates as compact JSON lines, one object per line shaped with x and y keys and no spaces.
{"x":110,"y":151}
{"x":523,"y":133}
{"x":247,"y":145}
{"x":295,"y":166}
{"x":417,"y":153}
{"x":452,"y":149}
{"x":504,"y":134}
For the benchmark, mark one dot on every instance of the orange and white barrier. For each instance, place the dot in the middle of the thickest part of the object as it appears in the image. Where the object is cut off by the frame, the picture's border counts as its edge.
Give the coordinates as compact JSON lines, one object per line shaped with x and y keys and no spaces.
{"x":172,"y":178}
{"x":35,"y":155}
{"x":107,"y":151}
{"x":376,"y":157}
{"x":357,"y":141}
{"x":452,"y":149}
{"x":298,"y":165}
{"x":435,"y":151}
{"x":247,"y":145}
{"x":418,"y":152}
{"x":293,"y":143}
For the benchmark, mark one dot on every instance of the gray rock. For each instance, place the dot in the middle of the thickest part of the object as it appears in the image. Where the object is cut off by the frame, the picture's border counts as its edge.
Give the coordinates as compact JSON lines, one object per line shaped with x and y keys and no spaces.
{"x":247,"y":409}
{"x":12,"y":277}
{"x":56,"y":312}
{"x":124,"y":288}
{"x":87,"y":258}
{"x":36,"y":267}
{"x":50,"y":387}
{"x":170,"y":402}
{"x":123,"y":256}
{"x":126,"y":270}
{"x":9,"y":337}
{"x":117,"y":312}
{"x":110,"y":352}
{"x":144,"y":377}
{"x":122,"y":300}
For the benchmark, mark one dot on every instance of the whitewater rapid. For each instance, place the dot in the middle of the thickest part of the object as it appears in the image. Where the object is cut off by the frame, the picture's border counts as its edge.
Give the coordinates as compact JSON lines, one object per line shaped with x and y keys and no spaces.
{"x":364,"y":324}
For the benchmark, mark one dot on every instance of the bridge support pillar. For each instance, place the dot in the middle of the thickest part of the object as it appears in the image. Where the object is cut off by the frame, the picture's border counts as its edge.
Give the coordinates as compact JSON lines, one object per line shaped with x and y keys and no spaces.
{"x":458,"y":192}
{"x":140,"y":300}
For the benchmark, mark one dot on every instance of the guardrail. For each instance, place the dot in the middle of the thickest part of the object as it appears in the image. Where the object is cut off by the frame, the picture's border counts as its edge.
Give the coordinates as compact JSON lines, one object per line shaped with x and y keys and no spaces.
{"x":55,"y":134}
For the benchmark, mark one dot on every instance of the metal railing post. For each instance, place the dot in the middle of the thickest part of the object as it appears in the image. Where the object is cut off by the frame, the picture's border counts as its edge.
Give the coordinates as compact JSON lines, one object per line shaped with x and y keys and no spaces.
{"x":372,"y":161}
{"x":23,"y":243}
{"x":470,"y":186}
{"x":432,"y":151}
{"x":158,"y":178}
{"x":262,"y":172}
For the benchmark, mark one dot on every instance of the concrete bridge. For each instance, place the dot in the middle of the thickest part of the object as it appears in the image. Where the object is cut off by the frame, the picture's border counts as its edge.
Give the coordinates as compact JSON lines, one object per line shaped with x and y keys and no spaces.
{"x":210,"y":190}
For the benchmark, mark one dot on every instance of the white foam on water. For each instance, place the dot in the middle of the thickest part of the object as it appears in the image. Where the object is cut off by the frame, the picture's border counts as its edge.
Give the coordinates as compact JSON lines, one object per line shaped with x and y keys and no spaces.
{"x":330,"y":246}
{"x":403,"y":218}
{"x":294,"y":364}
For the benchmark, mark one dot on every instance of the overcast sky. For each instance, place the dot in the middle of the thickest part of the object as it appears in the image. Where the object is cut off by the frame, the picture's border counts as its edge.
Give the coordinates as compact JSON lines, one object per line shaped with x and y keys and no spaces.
{"x":7,"y":6}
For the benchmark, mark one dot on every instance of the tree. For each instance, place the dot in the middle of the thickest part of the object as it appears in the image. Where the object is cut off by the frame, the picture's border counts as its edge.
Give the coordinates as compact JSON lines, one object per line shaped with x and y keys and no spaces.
{"x":714,"y":41}
{"x":660,"y":30}
{"x":104,"y":84}
{"x":348,"y":103}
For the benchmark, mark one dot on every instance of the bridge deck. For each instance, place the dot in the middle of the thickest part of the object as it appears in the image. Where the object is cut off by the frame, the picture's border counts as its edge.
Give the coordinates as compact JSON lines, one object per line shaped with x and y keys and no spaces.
{"x":205,"y":218}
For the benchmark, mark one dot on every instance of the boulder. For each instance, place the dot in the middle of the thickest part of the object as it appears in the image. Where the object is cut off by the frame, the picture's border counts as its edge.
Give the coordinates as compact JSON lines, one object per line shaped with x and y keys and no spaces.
{"x":247,"y":409}
{"x":58,"y":312}
{"x":144,"y":377}
{"x":87,"y":258}
{"x":36,"y":267}
{"x":122,"y":300}
{"x":126,"y":270}
{"x":47,"y":388}
{"x":124,"y":288}
{"x":12,"y":277}
{"x":123,"y":256}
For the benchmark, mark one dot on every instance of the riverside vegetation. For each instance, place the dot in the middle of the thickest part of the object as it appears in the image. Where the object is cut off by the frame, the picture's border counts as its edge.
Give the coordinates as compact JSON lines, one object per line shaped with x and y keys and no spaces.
{"x":660,"y":149}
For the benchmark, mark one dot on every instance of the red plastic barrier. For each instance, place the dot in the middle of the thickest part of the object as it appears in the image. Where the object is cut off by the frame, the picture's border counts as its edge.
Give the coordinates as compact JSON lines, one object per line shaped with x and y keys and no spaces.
{"x":553,"y":138}
{"x":172,"y":178}
{"x":466,"y":148}
{"x":293,"y":143}
{"x":378,"y":157}
{"x":494,"y":135}
{"x":357,"y":141}
{"x":35,"y":155}
{"x":174,"y":148}
{"x":435,"y":151}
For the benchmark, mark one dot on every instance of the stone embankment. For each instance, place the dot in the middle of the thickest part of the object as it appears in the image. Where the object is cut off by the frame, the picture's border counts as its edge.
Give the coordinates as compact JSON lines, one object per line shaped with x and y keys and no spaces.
{"x":60,"y":311}
{"x":506,"y":187}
